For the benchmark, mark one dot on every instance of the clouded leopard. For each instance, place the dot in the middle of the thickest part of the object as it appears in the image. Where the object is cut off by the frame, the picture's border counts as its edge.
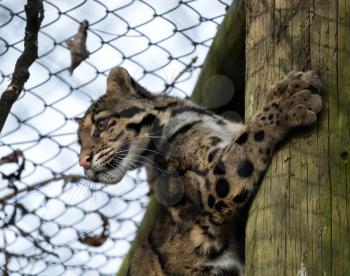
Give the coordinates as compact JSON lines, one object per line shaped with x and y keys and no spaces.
{"x":203,"y":168}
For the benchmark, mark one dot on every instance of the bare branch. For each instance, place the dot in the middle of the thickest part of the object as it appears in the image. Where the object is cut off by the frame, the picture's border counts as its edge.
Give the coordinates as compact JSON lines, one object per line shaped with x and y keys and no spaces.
{"x":35,"y":15}
{"x":7,"y":257}
{"x":12,"y":219}
{"x":37,"y":243}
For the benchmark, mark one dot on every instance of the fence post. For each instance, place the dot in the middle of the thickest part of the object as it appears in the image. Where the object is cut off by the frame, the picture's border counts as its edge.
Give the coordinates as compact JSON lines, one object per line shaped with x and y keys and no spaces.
{"x":299,"y":221}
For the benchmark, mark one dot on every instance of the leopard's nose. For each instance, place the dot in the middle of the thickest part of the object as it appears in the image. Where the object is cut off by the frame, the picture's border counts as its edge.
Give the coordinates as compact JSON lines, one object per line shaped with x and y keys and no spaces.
{"x":85,"y":161}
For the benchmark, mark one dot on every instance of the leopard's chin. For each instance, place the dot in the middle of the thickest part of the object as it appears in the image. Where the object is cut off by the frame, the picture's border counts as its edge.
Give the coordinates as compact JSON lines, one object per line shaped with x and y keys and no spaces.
{"x":109,"y":176}
{"x":114,"y":171}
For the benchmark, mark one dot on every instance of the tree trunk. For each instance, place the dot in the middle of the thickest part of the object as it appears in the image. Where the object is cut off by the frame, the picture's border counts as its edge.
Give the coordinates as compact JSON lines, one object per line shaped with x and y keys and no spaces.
{"x":299,"y":222}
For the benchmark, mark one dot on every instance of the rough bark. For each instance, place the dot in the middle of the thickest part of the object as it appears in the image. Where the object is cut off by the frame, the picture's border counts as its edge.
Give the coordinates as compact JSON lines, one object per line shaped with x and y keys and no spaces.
{"x":299,"y":223}
{"x":34,"y":16}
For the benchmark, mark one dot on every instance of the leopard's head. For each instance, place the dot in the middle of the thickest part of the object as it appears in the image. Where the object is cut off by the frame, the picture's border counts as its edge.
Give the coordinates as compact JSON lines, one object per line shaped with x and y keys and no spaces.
{"x":115,"y":131}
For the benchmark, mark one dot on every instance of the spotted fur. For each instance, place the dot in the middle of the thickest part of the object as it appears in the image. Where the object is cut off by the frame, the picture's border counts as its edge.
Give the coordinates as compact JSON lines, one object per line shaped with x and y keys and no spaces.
{"x":202,"y":168}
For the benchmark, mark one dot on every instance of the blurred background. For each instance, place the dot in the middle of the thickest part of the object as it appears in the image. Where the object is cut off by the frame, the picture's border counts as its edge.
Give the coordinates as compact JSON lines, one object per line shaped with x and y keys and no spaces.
{"x":48,"y":220}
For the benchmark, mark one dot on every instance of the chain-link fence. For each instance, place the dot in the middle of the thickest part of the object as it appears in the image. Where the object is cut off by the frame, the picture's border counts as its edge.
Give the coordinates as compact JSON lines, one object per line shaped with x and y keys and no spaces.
{"x":52,"y":222}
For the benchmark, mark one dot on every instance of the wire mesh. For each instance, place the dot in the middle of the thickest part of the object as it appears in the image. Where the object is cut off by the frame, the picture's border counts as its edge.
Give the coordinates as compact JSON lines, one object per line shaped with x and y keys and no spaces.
{"x":47,"y":214}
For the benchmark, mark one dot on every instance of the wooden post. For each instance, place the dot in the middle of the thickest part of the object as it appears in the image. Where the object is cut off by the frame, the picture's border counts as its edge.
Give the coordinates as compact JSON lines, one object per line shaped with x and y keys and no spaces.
{"x":299,"y":223}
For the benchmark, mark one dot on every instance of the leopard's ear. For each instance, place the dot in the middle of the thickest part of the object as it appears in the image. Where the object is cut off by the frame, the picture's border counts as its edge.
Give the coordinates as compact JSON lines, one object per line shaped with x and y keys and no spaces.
{"x":120,"y":83}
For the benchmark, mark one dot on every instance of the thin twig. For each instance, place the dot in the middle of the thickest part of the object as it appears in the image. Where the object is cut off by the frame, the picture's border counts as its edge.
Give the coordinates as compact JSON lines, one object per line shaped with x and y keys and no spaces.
{"x":35,"y":241}
{"x":35,"y":15}
{"x":67,"y":178}
{"x":7,"y":256}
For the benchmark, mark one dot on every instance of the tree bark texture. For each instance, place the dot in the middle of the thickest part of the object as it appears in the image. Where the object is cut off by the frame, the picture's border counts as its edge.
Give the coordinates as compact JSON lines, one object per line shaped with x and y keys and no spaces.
{"x":299,"y":222}
{"x":34,"y":16}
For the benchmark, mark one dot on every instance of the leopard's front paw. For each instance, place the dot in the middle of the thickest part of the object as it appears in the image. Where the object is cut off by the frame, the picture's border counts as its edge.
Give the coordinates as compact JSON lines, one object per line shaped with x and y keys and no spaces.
{"x":297,"y":99}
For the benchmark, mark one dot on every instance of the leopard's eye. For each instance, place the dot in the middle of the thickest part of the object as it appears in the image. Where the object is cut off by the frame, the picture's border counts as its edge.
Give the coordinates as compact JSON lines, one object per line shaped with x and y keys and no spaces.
{"x":102,"y":124}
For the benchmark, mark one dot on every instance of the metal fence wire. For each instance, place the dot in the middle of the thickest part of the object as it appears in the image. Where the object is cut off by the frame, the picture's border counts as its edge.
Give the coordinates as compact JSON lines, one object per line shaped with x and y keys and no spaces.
{"x":51,"y":221}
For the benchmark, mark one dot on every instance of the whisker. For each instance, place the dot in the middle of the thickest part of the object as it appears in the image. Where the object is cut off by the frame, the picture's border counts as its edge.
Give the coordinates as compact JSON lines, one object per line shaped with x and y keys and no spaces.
{"x":136,"y":162}
{"x":141,"y":150}
{"x":150,"y":163}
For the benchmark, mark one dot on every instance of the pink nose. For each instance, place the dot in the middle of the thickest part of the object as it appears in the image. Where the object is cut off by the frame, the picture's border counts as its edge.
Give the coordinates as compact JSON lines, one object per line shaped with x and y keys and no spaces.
{"x":85,"y":161}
